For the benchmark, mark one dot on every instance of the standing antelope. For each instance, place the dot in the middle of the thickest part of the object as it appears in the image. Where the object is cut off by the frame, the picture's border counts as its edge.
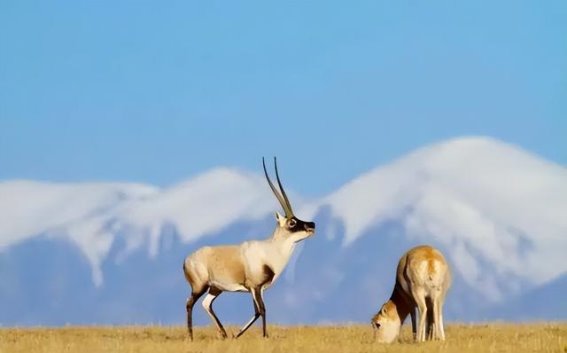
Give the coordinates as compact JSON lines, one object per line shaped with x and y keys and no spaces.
{"x":251,"y":266}
{"x":422,"y":280}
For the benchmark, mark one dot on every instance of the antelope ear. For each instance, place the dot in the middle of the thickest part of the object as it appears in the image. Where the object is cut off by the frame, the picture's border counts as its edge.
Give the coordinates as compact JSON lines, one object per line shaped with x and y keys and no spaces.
{"x":281,"y":219}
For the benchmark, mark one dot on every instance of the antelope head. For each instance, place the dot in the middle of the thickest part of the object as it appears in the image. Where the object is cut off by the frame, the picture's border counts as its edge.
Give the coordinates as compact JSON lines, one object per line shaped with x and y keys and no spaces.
{"x":386,"y":324}
{"x":288,"y":226}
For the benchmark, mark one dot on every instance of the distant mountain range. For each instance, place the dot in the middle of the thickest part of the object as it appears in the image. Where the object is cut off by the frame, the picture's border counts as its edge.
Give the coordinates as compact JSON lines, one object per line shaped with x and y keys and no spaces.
{"x":106,"y":253}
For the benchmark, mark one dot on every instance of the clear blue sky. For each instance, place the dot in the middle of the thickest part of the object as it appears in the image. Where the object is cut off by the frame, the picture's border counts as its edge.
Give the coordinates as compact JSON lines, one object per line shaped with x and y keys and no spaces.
{"x":157,"y":91}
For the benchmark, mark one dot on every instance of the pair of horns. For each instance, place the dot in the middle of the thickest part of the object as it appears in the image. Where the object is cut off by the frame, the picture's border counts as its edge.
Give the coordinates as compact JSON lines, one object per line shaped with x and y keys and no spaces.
{"x":282,"y":198}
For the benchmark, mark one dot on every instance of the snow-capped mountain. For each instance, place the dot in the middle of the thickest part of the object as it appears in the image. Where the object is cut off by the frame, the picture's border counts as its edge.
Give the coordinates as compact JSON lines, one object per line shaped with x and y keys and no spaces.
{"x":498,"y":212}
{"x":484,"y":200}
{"x":94,"y":215}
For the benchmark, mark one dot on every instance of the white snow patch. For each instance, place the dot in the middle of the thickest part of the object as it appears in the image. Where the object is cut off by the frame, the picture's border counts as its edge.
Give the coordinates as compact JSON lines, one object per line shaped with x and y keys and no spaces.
{"x":91,"y":215}
{"x":489,"y":195}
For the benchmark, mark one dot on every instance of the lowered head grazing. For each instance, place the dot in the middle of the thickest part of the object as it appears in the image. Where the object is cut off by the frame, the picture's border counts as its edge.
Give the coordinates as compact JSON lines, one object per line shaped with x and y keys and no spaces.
{"x":422,"y":281}
{"x":386,"y":323}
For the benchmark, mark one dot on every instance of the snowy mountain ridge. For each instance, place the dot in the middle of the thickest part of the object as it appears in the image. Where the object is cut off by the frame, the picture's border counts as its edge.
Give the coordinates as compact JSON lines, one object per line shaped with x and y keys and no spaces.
{"x":486,"y":201}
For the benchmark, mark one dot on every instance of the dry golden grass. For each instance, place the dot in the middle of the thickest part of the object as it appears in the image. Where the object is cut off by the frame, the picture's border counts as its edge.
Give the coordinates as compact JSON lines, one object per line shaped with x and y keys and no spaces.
{"x":546,"y":337}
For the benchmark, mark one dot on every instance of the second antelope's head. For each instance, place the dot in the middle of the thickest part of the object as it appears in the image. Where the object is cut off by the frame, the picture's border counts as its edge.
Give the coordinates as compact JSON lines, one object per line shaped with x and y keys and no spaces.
{"x":386,"y":323}
{"x":289,"y":226}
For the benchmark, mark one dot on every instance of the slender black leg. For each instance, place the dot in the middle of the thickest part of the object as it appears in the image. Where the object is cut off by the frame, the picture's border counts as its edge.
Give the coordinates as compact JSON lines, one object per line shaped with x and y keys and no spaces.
{"x":252,"y":320}
{"x":189,"y":307}
{"x":258,"y":298}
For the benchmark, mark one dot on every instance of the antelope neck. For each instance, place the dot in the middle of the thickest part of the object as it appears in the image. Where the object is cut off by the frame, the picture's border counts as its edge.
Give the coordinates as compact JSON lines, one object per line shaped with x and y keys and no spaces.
{"x":402,"y":306}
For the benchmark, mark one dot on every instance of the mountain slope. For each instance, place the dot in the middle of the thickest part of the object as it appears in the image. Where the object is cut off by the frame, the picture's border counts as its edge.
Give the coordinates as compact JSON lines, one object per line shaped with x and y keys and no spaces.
{"x":494,"y":209}
{"x":489,"y":203}
{"x":94,"y":215}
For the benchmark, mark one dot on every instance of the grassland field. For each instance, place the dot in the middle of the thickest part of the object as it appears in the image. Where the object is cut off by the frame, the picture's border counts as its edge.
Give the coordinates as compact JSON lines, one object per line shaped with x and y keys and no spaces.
{"x":497,"y":337}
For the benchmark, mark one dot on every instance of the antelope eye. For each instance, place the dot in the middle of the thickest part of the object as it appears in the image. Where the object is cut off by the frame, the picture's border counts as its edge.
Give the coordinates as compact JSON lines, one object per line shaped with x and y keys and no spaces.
{"x":292,"y":223}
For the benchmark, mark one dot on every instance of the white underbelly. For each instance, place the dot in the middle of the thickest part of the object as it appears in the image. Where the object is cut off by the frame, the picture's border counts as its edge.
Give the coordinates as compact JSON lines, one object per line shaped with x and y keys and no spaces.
{"x":229,"y":287}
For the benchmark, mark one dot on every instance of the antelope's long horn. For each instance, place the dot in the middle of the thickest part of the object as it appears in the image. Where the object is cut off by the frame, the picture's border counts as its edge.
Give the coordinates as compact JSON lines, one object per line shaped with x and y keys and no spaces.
{"x":276,"y":193}
{"x":282,"y":189}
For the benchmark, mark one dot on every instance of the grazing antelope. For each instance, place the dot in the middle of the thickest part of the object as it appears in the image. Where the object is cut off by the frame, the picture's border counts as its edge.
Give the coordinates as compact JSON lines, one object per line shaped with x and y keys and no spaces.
{"x":422,"y":280}
{"x":252,"y":266}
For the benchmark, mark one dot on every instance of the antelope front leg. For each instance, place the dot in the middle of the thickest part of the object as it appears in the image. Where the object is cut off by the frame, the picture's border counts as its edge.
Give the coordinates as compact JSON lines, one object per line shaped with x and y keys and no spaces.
{"x":258,"y":297}
{"x":252,"y":320}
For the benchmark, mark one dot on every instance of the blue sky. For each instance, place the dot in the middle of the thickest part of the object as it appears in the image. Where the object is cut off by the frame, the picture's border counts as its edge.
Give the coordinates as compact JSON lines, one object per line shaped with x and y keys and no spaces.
{"x":158,"y":92}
